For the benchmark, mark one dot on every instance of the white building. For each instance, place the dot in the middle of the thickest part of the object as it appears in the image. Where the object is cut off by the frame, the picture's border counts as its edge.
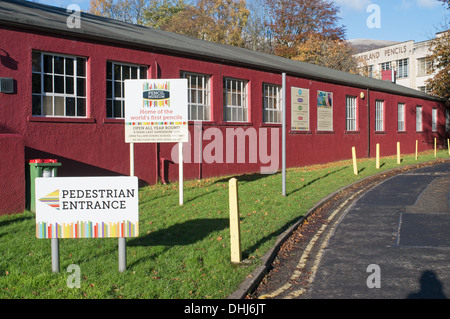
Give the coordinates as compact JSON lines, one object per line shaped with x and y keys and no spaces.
{"x":407,"y":59}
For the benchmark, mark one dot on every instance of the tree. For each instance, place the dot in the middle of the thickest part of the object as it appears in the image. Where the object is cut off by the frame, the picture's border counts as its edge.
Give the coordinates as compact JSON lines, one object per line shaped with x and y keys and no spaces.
{"x":439,"y":84}
{"x":293,"y":22}
{"x":330,"y":53}
{"x":131,"y":11}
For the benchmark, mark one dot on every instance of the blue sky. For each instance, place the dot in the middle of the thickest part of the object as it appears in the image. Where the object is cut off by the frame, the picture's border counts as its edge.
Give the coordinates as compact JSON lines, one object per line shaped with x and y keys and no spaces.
{"x":400,"y":20}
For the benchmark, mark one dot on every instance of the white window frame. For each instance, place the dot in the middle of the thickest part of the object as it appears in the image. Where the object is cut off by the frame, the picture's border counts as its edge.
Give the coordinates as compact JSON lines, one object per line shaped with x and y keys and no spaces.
{"x":379,"y":115}
{"x":115,"y":99}
{"x":434,"y":119}
{"x":272,"y":104}
{"x":199,"y":100}
{"x":386,"y":66}
{"x":401,"y":125}
{"x":402,"y":68}
{"x":424,"y":66}
{"x":77,"y":98}
{"x":419,"y":117}
{"x":235,"y":100}
{"x":351,"y":113}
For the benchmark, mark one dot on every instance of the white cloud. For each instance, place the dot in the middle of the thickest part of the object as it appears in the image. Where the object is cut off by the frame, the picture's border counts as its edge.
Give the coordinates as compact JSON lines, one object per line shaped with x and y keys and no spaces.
{"x":358,"y":5}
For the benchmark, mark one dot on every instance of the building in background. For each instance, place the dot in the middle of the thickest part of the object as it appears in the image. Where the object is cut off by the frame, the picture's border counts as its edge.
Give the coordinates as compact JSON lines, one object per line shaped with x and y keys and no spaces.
{"x":405,"y":63}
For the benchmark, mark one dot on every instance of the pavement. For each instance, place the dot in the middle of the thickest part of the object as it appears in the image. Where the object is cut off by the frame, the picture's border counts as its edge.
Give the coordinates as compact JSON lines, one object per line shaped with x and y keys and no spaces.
{"x":391,"y":241}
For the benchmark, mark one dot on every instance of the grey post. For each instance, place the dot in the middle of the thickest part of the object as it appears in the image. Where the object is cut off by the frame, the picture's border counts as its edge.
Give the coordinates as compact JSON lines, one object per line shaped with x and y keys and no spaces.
{"x":283,"y":134}
{"x":54,"y":241}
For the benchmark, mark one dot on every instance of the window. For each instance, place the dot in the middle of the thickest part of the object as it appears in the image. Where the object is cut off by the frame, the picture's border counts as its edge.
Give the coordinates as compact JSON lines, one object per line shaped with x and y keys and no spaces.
{"x":58,"y":85}
{"x":350,"y":113}
{"x":116,"y":74}
{"x":401,"y":117}
{"x":272,"y":108}
{"x":424,"y":66}
{"x":379,"y":116}
{"x":419,"y":118}
{"x":386,"y":66}
{"x":198,"y":96}
{"x":434,"y":118}
{"x":402,"y":68}
{"x":235,"y":100}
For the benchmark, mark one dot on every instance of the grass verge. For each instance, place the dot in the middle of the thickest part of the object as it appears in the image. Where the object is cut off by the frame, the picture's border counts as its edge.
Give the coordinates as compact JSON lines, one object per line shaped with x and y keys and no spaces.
{"x":182,"y":252}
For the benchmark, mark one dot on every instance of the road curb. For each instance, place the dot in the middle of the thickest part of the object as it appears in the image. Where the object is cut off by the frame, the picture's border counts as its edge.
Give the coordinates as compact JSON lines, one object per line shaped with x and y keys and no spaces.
{"x":253,"y":280}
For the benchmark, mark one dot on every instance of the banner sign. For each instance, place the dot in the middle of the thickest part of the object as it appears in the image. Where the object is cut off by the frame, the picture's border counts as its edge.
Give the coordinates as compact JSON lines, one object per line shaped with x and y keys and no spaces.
{"x":324,"y":111}
{"x":156,"y":111}
{"x":299,"y":109}
{"x":87,"y":207}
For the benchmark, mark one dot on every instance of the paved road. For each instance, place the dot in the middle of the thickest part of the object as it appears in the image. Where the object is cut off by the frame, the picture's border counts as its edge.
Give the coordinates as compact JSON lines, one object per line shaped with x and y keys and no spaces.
{"x":392,"y":242}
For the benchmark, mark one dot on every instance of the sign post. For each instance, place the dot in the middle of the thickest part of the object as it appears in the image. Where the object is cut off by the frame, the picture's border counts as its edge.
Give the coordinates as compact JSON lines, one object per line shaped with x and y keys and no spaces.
{"x":283,"y":136}
{"x":156,"y":111}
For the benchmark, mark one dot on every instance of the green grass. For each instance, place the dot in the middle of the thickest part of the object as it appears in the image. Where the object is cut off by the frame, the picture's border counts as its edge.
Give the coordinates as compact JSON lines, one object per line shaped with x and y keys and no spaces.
{"x":182,"y":252}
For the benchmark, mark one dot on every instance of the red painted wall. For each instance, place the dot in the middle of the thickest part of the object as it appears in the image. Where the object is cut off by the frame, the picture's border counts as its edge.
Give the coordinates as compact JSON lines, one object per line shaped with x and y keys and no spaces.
{"x":12,"y":174}
{"x":95,"y":145}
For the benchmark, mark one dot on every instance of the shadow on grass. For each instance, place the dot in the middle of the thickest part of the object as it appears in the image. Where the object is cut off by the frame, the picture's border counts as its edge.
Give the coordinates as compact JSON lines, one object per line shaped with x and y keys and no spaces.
{"x":316,"y":180}
{"x":186,"y":233}
{"x":246,"y":177}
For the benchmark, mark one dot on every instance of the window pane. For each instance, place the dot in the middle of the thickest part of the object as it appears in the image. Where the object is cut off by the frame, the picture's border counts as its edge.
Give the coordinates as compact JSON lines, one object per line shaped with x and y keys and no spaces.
{"x":108,"y":89}
{"x":69,"y":85}
{"x":81,"y":67}
{"x":117,"y":72}
{"x":59,"y":65}
{"x":109,"y":108}
{"x":117,"y":108}
{"x":70,"y":106}
{"x":47,"y":105}
{"x":69,"y":66}
{"x":134,"y":73}
{"x":81,"y":87}
{"x":125,"y":73}
{"x":59,"y":106}
{"x":143,"y":72}
{"x":109,"y":70}
{"x":117,"y":89}
{"x":48,"y":64}
{"x":81,"y":107}
{"x":36,"y":83}
{"x":59,"y":84}
{"x":36,"y":62}
{"x":48,"y":83}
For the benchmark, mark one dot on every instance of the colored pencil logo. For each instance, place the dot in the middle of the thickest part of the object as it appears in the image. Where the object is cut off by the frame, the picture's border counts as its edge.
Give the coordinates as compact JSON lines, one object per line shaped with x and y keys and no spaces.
{"x":51,"y":199}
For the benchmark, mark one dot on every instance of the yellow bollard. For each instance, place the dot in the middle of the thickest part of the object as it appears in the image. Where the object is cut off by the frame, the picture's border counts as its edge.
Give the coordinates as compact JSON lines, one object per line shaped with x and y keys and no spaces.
{"x":235,"y":233}
{"x":417,"y":148}
{"x":355,"y":165}
{"x":398,"y":153}
{"x":435,"y":147}
{"x":377,"y":161}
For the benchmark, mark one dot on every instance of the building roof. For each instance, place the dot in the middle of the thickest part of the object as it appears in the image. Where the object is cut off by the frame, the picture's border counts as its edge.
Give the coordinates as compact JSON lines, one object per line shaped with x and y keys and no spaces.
{"x":53,"y":20}
{"x":364,"y":45}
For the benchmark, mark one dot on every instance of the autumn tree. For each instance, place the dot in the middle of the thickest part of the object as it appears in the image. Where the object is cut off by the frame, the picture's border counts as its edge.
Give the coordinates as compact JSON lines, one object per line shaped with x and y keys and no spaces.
{"x":328,"y":52}
{"x":131,"y":11}
{"x":439,"y":84}
{"x":294,"y":22}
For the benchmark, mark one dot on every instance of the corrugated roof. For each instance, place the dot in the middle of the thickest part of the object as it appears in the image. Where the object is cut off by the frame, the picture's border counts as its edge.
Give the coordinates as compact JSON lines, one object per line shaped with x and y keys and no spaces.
{"x":53,"y":20}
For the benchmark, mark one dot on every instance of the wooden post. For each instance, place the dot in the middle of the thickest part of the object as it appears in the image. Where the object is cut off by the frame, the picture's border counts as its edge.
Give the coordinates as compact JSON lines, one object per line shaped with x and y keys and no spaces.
{"x":398,"y":153}
{"x":417,"y":148}
{"x":378,"y":156}
{"x":355,"y":165}
{"x":235,"y":234}
{"x":435,"y":147}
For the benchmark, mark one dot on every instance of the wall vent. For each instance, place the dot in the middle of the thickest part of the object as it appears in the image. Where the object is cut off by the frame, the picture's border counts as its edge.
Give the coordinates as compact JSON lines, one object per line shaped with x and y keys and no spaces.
{"x":7,"y":85}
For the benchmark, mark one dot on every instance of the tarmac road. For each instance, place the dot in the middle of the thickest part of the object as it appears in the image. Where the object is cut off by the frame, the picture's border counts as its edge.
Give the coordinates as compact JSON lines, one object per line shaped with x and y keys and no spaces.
{"x":391,"y":242}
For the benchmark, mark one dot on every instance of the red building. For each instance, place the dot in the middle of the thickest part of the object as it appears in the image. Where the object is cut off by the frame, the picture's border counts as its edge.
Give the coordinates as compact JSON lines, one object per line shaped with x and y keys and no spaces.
{"x":67,"y":102}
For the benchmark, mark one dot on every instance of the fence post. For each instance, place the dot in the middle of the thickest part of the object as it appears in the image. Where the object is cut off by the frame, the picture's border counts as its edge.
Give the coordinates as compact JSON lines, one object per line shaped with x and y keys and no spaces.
{"x":378,"y":156}
{"x":355,"y":165}
{"x":235,"y":234}
{"x":398,"y":153}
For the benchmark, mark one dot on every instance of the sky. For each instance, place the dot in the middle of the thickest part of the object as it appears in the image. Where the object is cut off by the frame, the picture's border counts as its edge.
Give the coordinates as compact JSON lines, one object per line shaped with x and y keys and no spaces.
{"x":393,"y":20}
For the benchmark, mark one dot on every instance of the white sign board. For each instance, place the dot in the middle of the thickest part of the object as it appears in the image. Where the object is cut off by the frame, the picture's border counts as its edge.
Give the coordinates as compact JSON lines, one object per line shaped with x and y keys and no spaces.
{"x":87,"y":207}
{"x":156,"y":111}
